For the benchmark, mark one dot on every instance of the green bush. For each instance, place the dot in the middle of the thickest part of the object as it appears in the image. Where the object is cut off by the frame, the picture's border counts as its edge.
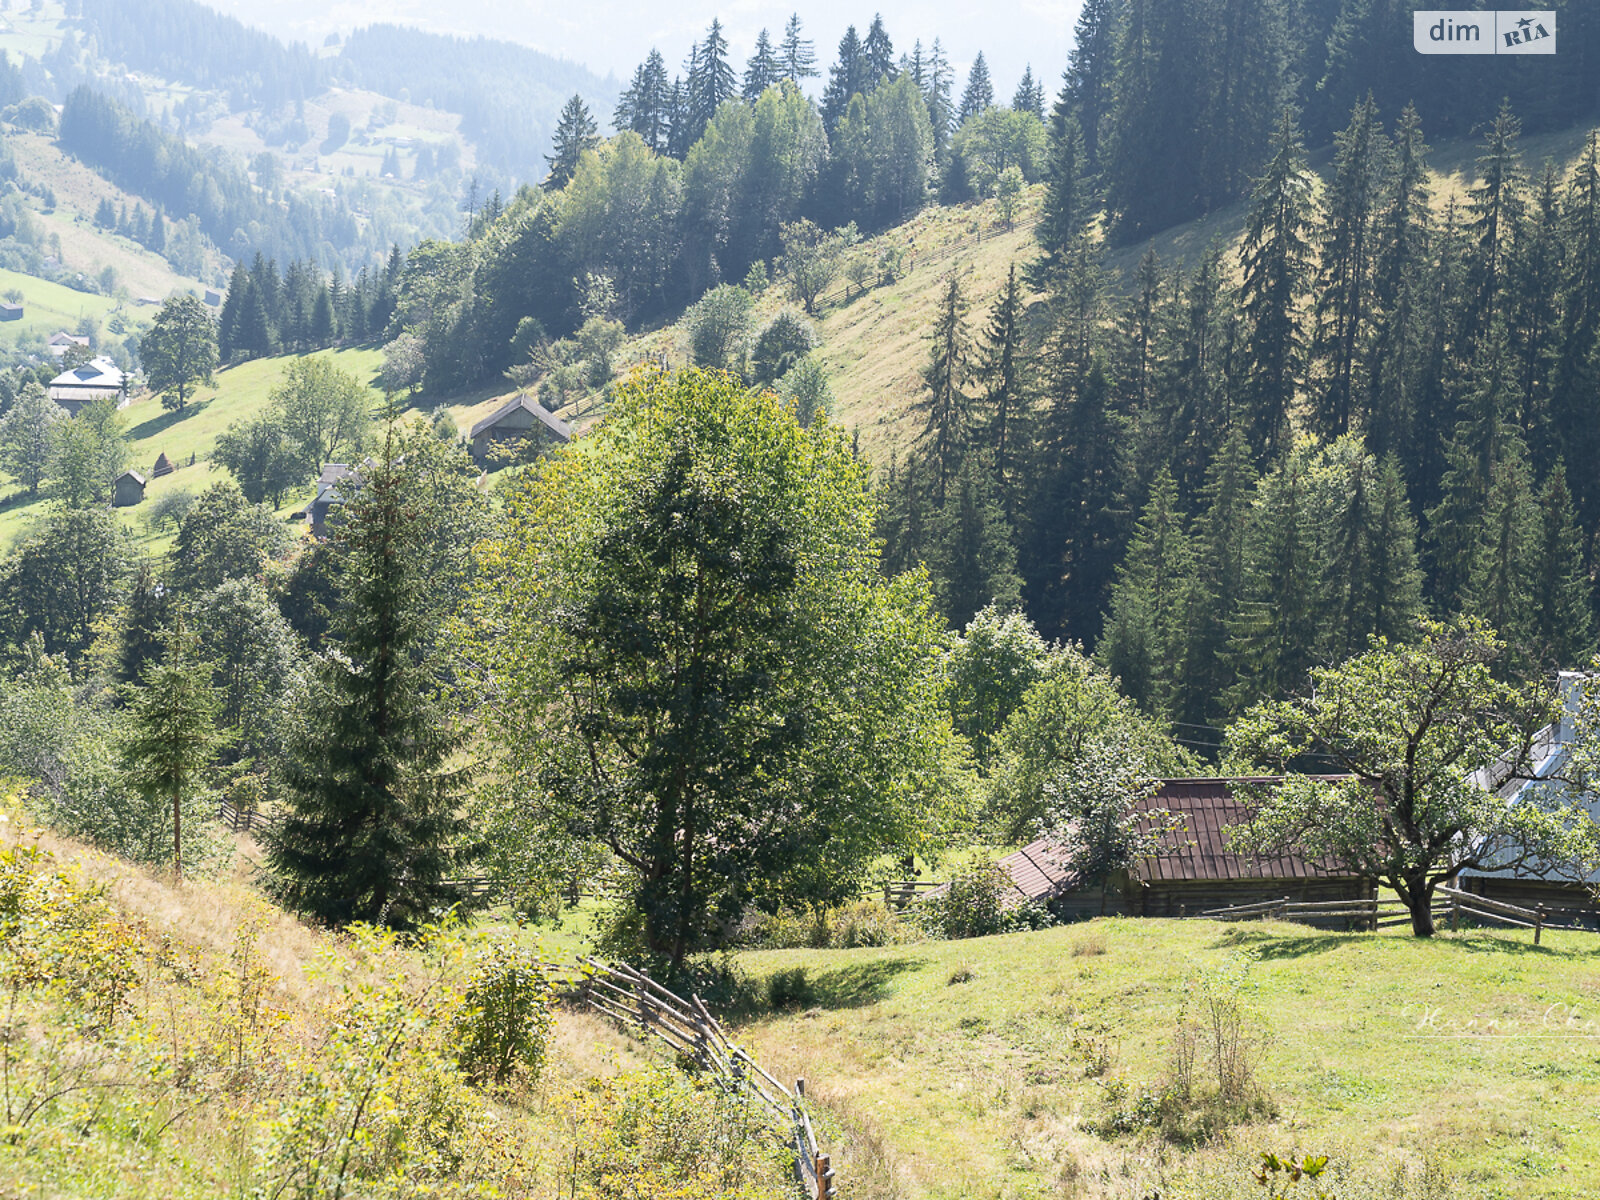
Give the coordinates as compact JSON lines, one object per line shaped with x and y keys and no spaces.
{"x":843,"y":927}
{"x":789,"y":988}
{"x":969,"y":907}
{"x":505,"y":1022}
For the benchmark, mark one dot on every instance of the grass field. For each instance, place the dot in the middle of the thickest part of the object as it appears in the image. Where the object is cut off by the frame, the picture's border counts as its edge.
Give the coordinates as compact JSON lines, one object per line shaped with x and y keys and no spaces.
{"x":1475,"y":1051}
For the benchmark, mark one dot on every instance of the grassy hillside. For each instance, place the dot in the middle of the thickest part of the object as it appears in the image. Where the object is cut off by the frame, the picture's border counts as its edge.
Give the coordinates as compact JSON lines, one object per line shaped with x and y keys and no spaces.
{"x":190,"y":1040}
{"x":238,"y":394}
{"x":1000,"y":1067}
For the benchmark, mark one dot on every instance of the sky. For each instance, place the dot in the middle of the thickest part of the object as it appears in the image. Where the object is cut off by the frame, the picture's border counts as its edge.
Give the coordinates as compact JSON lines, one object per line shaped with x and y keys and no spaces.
{"x":613,"y":36}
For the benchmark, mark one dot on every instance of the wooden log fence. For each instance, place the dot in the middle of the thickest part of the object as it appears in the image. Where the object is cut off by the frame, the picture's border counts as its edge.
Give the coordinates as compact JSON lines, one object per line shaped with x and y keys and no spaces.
{"x":898,"y":893}
{"x":1450,"y":905}
{"x":636,"y":1001}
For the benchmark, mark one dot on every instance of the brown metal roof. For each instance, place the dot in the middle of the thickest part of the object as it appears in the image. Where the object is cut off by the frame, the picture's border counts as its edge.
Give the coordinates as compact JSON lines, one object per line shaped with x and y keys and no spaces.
{"x":1200,"y":849}
{"x":1040,"y":870}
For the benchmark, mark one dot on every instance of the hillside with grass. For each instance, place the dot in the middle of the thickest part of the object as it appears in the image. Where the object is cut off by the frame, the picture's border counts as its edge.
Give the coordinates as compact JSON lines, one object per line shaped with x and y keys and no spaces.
{"x":1114,"y":1058}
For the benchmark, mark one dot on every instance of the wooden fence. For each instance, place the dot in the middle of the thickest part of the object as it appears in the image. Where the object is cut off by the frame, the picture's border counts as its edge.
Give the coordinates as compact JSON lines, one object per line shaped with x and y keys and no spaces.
{"x":1449,"y":905}
{"x":687,"y":1026}
{"x":898,"y":893}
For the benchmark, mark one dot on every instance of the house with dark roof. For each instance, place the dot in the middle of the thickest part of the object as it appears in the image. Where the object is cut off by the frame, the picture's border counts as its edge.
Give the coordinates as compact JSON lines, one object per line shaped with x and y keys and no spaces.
{"x":522,"y":419}
{"x":337,"y":483}
{"x":97,"y":379}
{"x":1194,"y":870}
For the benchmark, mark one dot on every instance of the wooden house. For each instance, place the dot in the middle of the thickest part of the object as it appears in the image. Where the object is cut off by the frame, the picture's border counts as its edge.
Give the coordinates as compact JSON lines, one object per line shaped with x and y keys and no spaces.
{"x":1568,"y":890}
{"x":59,"y":342}
{"x":10,"y":312}
{"x":1194,"y":871}
{"x":127,"y":490}
{"x":522,"y":419}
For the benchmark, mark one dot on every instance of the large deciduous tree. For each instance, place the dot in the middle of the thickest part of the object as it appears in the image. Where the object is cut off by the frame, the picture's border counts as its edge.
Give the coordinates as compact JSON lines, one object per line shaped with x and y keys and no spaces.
{"x":694,"y":662}
{"x":180,"y":351}
{"x":1423,"y":738}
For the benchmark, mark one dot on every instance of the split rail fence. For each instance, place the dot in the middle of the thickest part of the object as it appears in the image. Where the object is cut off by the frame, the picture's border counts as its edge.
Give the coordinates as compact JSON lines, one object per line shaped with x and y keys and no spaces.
{"x":1449,"y":906}
{"x":687,"y":1026}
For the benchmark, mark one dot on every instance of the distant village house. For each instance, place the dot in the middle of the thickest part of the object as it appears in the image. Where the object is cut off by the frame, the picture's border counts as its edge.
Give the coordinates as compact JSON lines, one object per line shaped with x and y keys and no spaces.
{"x":524,"y":420}
{"x":97,"y":379}
{"x":59,"y":342}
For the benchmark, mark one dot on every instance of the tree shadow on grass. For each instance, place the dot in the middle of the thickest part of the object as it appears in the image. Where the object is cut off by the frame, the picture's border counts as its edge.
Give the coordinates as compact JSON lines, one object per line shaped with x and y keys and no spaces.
{"x":166,"y":420}
{"x":1276,"y":945}
{"x":854,"y":986}
{"x":1273,"y":945}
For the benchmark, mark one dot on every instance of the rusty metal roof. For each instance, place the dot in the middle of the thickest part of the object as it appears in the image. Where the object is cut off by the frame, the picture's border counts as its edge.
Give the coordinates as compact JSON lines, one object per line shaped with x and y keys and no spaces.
{"x":1199,"y":851}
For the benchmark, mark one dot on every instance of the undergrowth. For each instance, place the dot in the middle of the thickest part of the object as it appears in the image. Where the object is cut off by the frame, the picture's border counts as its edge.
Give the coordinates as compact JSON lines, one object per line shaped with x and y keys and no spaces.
{"x":132,"y":1063}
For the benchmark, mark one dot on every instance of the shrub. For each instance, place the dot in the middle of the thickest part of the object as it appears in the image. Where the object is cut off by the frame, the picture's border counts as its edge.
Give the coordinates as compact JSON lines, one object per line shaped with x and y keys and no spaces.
{"x":505,"y":1022}
{"x":970,"y":906}
{"x":789,"y":988}
{"x":787,"y":338}
{"x":842,"y":927}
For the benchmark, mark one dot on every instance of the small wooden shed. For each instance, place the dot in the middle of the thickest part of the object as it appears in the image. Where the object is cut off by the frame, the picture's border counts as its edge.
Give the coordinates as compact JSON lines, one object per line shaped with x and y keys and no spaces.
{"x":10,"y":312}
{"x":127,"y":490}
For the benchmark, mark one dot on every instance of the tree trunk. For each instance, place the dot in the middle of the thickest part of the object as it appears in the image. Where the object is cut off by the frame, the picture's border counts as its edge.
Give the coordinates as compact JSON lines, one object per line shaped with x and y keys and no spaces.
{"x":1420,"y":902}
{"x":177,"y":833}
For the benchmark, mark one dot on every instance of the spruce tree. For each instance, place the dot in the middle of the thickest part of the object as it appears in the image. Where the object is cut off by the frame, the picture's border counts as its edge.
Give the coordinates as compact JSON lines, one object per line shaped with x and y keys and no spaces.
{"x":973,"y":560}
{"x":1533,"y":318}
{"x":1481,"y":441}
{"x":1277,"y":629}
{"x":1003,"y":368}
{"x":1494,"y":209}
{"x":877,"y":55}
{"x":762,"y":71}
{"x":1276,"y":262}
{"x":1146,"y":638}
{"x":1561,"y":616}
{"x":576,"y":132}
{"x":172,"y":732}
{"x":1068,"y":202}
{"x":1089,"y":86}
{"x":1201,"y":402}
{"x":1399,"y":291}
{"x":1344,"y":280}
{"x":1029,"y":97}
{"x":979,"y":93}
{"x":948,"y":427}
{"x":936,"y":92}
{"x":844,"y":80}
{"x":374,"y":830}
{"x":1562,"y":604}
{"x":643,"y":107}
{"x":1499,"y":587}
{"x":1219,"y":537}
{"x":1575,"y":391}
{"x":798,"y":54}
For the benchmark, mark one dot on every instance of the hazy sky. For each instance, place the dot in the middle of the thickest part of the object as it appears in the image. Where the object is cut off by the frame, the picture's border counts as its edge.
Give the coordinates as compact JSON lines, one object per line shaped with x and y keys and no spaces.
{"x":615,"y":35}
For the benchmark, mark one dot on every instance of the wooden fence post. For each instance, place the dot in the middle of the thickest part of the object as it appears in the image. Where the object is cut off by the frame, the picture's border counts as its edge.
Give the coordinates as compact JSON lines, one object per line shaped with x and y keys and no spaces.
{"x":1455,"y":914}
{"x":1538,"y":922}
{"x":824,"y":1174}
